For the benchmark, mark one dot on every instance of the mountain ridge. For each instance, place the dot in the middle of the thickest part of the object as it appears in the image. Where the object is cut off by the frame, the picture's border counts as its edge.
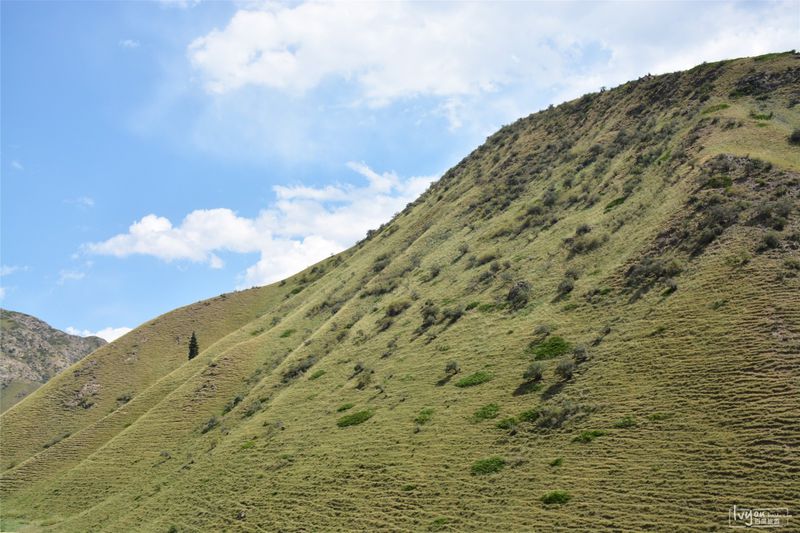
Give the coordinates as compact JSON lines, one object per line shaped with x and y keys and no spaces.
{"x":31,"y":352}
{"x":590,"y":321}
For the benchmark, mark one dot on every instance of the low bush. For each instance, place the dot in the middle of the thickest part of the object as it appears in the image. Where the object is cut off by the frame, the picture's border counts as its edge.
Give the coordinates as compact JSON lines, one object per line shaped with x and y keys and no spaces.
{"x":533,"y":372}
{"x":556,"y":497}
{"x":531,"y":415}
{"x":580,"y":353}
{"x":486,"y":412}
{"x":488,"y":466}
{"x":508,"y":423}
{"x":554,"y":416}
{"x":233,"y":403}
{"x":624,"y":423}
{"x":565,"y":368}
{"x":287,"y":333}
{"x":549,"y":348}
{"x":424,"y":416}
{"x":452,"y":368}
{"x":474,"y":379}
{"x":794,"y":137}
{"x":565,"y":287}
{"x":317,"y":374}
{"x":519,"y":294}
{"x":252,"y":409}
{"x":381,"y":262}
{"x":558,"y":461}
{"x":344,"y":407}
{"x":354,"y":419}
{"x":588,"y":436}
{"x":769,"y":241}
{"x":210,"y":424}
{"x":298,"y":368}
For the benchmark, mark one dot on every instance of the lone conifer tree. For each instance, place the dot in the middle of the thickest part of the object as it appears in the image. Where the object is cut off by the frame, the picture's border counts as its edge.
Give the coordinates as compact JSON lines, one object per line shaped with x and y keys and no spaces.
{"x":194,"y":349}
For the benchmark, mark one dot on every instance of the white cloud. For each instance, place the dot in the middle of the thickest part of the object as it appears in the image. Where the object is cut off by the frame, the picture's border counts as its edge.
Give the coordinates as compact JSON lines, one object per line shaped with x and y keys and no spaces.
{"x":398,"y":50}
{"x":129,"y":43}
{"x":70,"y":275}
{"x":81,"y":201}
{"x":16,"y":165}
{"x":303,"y":226}
{"x":2,"y":293}
{"x":179,"y":4}
{"x":7,"y":270}
{"x":109,"y":334}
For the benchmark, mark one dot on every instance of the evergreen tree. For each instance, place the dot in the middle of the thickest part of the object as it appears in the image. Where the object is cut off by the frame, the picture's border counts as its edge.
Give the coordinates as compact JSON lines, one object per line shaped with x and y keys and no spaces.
{"x":194,"y":348}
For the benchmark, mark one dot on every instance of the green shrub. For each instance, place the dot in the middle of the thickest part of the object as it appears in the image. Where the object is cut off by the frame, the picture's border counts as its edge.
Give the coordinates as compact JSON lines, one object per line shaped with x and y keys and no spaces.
{"x":287,"y":333}
{"x":471,"y":306}
{"x":344,"y":407}
{"x":475,"y":379}
{"x":558,"y":461}
{"x":714,"y":108}
{"x":549,"y":348}
{"x":424,"y":416}
{"x":439,"y":524}
{"x":354,"y":419}
{"x":614,"y":203}
{"x":761,"y":116}
{"x":556,"y":497}
{"x":588,"y":436}
{"x":626,"y":422}
{"x":486,"y":412}
{"x":488,"y":466}
{"x":531,"y":415}
{"x":317,"y":374}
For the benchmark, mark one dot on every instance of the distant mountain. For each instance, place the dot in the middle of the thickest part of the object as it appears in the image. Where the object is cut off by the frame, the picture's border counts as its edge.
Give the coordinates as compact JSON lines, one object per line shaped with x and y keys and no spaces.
{"x":31,"y":352}
{"x":592,"y":322}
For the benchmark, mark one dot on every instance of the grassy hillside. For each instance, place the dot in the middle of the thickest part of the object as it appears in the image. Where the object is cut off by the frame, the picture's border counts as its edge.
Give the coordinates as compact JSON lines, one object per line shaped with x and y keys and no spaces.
{"x":593,"y":321}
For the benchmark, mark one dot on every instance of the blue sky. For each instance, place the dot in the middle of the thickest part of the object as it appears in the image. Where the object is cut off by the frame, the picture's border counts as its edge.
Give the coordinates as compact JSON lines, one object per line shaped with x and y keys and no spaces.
{"x":157,"y":153}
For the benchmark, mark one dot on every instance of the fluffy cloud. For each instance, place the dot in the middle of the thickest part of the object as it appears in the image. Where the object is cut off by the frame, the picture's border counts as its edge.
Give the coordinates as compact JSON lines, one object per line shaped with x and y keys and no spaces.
{"x":303,"y":226}
{"x":398,"y":50}
{"x":109,"y":334}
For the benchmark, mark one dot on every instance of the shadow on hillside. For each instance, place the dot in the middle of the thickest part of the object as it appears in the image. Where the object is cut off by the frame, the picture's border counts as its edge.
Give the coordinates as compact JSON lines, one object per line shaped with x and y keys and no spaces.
{"x":552,"y":390}
{"x":527,"y":387}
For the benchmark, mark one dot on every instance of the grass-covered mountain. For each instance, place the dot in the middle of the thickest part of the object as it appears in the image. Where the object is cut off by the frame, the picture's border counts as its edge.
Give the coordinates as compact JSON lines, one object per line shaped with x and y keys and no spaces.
{"x":31,"y":352}
{"x":592,"y":321}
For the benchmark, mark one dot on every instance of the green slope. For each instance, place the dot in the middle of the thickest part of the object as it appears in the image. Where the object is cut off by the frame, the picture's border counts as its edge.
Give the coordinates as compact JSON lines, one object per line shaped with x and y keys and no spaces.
{"x":646,"y":236}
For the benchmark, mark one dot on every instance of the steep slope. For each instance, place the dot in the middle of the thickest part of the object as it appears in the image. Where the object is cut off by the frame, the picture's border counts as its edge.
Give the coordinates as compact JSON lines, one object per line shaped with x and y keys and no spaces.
{"x":638,"y":248}
{"x":31,"y":352}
